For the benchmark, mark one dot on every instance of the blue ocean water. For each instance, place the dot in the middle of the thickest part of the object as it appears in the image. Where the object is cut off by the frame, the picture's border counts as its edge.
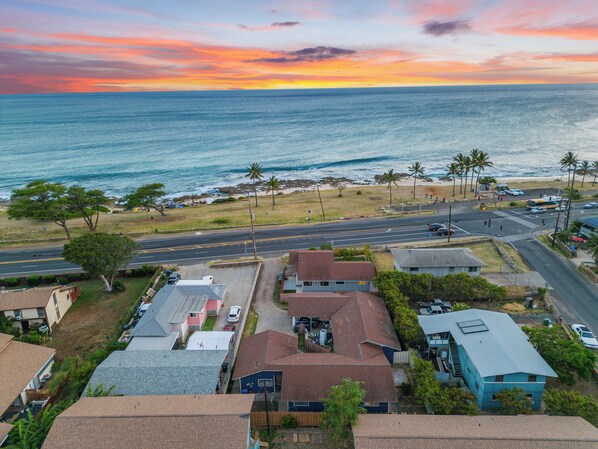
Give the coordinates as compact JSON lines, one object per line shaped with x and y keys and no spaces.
{"x":195,"y":141}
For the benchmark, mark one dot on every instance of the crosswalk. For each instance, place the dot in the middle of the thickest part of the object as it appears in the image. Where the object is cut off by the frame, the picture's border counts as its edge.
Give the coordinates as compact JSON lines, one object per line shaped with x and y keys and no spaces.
{"x":521,"y":221}
{"x":515,"y":238}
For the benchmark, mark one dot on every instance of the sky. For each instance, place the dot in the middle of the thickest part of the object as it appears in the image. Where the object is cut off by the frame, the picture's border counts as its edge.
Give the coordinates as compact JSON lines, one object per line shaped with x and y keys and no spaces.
{"x":49,"y":46}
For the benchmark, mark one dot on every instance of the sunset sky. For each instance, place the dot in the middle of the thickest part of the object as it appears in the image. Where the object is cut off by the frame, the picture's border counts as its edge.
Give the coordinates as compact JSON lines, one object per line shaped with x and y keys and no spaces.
{"x":136,"y":45}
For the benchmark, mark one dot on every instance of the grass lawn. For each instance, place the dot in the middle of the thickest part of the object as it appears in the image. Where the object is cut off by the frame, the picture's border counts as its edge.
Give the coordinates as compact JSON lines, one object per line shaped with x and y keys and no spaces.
{"x":209,"y":324}
{"x":383,"y":261}
{"x":492,"y":258}
{"x":250,"y":323}
{"x":92,"y":320}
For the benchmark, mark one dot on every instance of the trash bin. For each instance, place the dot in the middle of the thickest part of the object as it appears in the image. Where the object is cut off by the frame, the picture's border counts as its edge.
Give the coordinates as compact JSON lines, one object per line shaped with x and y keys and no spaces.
{"x":547,"y":322}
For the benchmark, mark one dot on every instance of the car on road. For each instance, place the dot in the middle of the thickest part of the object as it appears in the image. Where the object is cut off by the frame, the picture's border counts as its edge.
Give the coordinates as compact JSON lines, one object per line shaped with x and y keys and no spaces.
{"x":431,"y":310}
{"x":515,"y":192}
{"x":585,"y":336}
{"x":445,"y":231}
{"x":173,"y":278}
{"x":561,"y":208}
{"x":230,"y":328}
{"x":435,"y":226}
{"x":591,"y":205}
{"x":538,"y":210}
{"x":234,"y":314}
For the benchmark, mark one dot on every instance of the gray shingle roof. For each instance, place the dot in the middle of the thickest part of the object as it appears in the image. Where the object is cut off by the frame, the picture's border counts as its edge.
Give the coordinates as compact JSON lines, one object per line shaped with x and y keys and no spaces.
{"x":172,"y":304}
{"x":436,"y":258}
{"x":147,"y":373}
{"x":502,"y":349}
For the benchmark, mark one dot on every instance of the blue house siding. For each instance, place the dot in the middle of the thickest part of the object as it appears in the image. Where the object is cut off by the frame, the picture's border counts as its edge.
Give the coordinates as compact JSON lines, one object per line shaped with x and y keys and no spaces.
{"x":251,"y":384}
{"x":510,"y":381}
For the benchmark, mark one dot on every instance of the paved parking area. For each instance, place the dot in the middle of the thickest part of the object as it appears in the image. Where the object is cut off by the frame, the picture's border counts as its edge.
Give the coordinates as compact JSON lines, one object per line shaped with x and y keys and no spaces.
{"x":238,"y":282}
{"x":271,"y":317}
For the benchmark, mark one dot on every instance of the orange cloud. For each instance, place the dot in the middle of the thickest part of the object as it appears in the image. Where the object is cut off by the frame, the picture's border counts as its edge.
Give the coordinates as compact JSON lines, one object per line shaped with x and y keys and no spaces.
{"x":577,"y":31}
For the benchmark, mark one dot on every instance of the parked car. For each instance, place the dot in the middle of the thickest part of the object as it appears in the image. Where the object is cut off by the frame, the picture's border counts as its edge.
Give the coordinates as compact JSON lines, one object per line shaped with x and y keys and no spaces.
{"x":538,"y":210}
{"x":431,"y":310}
{"x":591,"y":205}
{"x":445,"y":231}
{"x":435,"y":226}
{"x":234,"y":314}
{"x":173,"y":278}
{"x":230,"y":328}
{"x":561,"y":208}
{"x":299,"y":321}
{"x":515,"y":192}
{"x":501,"y":192}
{"x":585,"y":336}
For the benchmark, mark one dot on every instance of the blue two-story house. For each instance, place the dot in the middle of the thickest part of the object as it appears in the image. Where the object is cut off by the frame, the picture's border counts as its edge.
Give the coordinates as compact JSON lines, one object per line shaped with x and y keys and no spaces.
{"x":488,"y":351}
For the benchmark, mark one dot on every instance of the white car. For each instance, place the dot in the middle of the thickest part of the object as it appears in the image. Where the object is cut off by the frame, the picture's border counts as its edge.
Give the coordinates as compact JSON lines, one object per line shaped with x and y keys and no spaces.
{"x":515,"y":192}
{"x":562,"y":208}
{"x":234,"y":314}
{"x":585,"y":336}
{"x":590,"y":205}
{"x":538,"y":210}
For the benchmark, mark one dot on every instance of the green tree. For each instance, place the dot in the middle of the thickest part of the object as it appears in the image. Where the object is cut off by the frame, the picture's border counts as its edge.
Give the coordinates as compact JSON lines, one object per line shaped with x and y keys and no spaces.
{"x":389,"y":178}
{"x":474,"y":154}
{"x":30,"y":432}
{"x":255,"y":173}
{"x":272,"y":185}
{"x":592,"y":245}
{"x":452,"y":171}
{"x":482,"y":162}
{"x":6,"y":326}
{"x":101,"y":255}
{"x":467,"y":166}
{"x":571,"y":403}
{"x":146,"y":197}
{"x":44,"y":201}
{"x":514,"y":401}
{"x":584,"y":167}
{"x":87,"y":204}
{"x":342,"y":407}
{"x":99,"y":391}
{"x":569,"y":162}
{"x":460,"y":306}
{"x":417,"y":171}
{"x":460,"y":160}
{"x":595,"y":170}
{"x":340,"y":186}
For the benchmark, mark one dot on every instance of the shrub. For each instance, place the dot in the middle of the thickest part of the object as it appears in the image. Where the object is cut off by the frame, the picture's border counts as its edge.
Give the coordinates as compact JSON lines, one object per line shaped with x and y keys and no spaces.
{"x":514,"y":401}
{"x":513,"y":203}
{"x":11,"y":282}
{"x":62,"y":281}
{"x":49,"y":279}
{"x":326,"y":246}
{"x":221,"y":220}
{"x":358,"y":192}
{"x":149,"y":269}
{"x":229,"y":199}
{"x":288,"y":422}
{"x":138,"y":272}
{"x":73,"y":277}
{"x":571,"y":403}
{"x":118,"y":286}
{"x":34,"y":281}
{"x":33,"y":337}
{"x":460,"y":306}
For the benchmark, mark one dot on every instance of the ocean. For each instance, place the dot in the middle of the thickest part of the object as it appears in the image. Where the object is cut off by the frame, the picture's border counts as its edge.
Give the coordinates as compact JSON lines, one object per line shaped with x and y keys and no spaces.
{"x":196,"y":141}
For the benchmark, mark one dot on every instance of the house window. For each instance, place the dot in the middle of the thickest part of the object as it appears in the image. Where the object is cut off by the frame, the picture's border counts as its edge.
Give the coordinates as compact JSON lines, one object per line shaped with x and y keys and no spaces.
{"x":300,"y":404}
{"x":477,"y":387}
{"x":41,"y":312}
{"x":451,"y":269}
{"x":371,"y":404}
{"x":494,"y":397}
{"x":193,"y":314}
{"x":532,"y":378}
{"x":265,"y":382}
{"x":307,"y":283}
{"x":18,"y":314}
{"x":473,"y":269}
{"x":413,"y":269}
{"x":530,"y":396}
{"x":362,"y":283}
{"x":340,"y":282}
{"x":324,"y":283}
{"x":500,"y":378}
{"x":58,"y":314}
{"x":468,"y":370}
{"x":54,"y":299}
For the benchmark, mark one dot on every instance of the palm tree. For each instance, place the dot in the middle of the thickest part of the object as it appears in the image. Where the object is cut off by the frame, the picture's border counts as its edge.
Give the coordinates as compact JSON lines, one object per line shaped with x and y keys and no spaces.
{"x":460,"y":161}
{"x":592,"y":245}
{"x":417,"y":171}
{"x":254,"y":172}
{"x":595,"y":170}
{"x":452,"y":171}
{"x":473,"y":156}
{"x":466,"y":167}
{"x":568,"y":161}
{"x":584,"y":167}
{"x":272,"y":184}
{"x":390,"y":178}
{"x":482,"y":163}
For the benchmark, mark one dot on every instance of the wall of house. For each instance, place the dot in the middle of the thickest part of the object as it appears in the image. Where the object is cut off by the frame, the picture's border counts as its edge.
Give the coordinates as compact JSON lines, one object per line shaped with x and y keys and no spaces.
{"x":198,"y":320}
{"x":510,"y":381}
{"x":440,"y":272}
{"x":472,"y":377}
{"x":250,"y":384}
{"x":334,"y":286}
{"x":292,"y":406}
{"x":213,"y":306}
{"x":59,"y":303}
{"x":389,"y":353}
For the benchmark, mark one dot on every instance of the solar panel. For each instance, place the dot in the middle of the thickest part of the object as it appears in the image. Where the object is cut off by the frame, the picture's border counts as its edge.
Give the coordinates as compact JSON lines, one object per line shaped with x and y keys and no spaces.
{"x":472,"y":326}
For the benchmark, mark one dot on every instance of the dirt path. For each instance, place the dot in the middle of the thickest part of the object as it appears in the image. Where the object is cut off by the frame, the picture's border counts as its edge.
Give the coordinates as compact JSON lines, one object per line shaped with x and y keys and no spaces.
{"x":271,"y":317}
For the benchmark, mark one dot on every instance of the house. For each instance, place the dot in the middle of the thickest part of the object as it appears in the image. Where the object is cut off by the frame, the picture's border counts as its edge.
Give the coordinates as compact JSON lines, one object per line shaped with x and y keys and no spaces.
{"x":35,"y":307}
{"x":588,"y":225}
{"x":159,"y":372}
{"x":364,"y":343}
{"x":154,"y":422}
{"x":174,"y":310}
{"x":317,"y":271}
{"x":23,"y":370}
{"x":437,"y":261}
{"x":489,"y":351}
{"x":468,"y":432}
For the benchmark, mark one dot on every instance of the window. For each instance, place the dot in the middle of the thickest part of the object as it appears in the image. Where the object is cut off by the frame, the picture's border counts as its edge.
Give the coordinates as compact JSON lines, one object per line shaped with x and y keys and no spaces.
{"x":413,"y":269}
{"x":193,"y":314}
{"x":340,"y":282}
{"x":324,"y":283}
{"x":532,"y":378}
{"x":500,"y":378}
{"x":530,"y":396}
{"x":477,"y":387}
{"x":451,"y":269}
{"x":300,"y":404}
{"x":468,"y":370}
{"x":18,"y":314}
{"x":41,"y":312}
{"x":54,"y":299}
{"x":371,"y":404}
{"x":265,"y":382}
{"x":362,"y":283}
{"x":58,"y":314}
{"x":307,"y":283}
{"x":473,"y":269}
{"x":494,"y":398}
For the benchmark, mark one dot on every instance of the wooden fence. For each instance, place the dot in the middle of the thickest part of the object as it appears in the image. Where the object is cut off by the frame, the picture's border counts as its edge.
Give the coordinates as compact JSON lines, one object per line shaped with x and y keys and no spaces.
{"x":314,"y":347}
{"x":304,"y":419}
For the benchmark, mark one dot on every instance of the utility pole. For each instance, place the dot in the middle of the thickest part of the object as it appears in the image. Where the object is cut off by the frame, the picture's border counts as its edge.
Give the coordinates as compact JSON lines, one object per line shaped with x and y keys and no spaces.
{"x":449,"y":223}
{"x":321,"y":204}
{"x":267,"y":414}
{"x":571,"y":193}
{"x":252,"y":230}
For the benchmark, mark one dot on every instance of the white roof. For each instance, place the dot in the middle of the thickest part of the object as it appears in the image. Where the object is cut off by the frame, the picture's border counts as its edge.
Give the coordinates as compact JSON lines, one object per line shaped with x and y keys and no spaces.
{"x":492,"y":340}
{"x":206,"y":280}
{"x":209,"y":340}
{"x":153,"y":343}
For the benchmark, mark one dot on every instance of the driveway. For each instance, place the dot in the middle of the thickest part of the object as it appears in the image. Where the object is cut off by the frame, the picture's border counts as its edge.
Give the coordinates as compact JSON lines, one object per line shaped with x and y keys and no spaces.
{"x":271,"y":317}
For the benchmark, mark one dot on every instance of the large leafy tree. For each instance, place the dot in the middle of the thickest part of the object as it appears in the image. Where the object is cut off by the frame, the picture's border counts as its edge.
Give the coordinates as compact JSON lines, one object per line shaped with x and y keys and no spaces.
{"x":44,"y":201}
{"x":416,"y":170}
{"x":272,"y":185}
{"x":147,"y":197}
{"x":342,"y":407}
{"x":389,"y":178}
{"x":571,"y":403}
{"x":514,"y":401}
{"x":87,"y":203}
{"x":255,"y":173}
{"x":101,"y":255}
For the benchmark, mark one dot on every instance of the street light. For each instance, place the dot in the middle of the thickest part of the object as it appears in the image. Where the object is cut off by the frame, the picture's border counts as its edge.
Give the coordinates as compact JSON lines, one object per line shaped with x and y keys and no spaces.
{"x":321,"y":204}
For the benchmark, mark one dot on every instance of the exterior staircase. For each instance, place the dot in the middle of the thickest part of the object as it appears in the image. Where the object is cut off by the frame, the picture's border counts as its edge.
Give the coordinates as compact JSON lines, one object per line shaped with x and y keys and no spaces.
{"x":455,"y":356}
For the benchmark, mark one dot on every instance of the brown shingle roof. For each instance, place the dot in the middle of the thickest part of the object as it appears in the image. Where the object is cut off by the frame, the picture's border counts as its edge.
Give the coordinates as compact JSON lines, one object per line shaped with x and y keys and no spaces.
{"x":260,"y":351}
{"x":4,"y":431}
{"x":321,"y":266}
{"x":19,"y":363}
{"x":322,"y":305}
{"x":153,"y":422}
{"x":473,"y":432}
{"x":31,"y":298}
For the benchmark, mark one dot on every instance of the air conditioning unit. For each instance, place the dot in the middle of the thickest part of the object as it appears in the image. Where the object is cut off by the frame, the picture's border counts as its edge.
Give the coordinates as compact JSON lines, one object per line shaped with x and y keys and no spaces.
{"x":18,"y":317}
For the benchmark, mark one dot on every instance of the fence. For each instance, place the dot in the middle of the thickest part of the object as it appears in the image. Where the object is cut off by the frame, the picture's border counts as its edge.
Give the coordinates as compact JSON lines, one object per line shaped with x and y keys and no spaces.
{"x":304,"y":419}
{"x":314,"y":347}
{"x":401,"y":357}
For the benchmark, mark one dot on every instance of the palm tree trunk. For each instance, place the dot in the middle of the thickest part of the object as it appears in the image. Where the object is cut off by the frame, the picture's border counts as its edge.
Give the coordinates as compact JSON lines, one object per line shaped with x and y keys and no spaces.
{"x":255,"y":192}
{"x":273,"y":200}
{"x":390,"y":192}
{"x":594,"y":181}
{"x":583,"y":179}
{"x":465,"y":188}
{"x":461,"y":184}
{"x":414,"y":181}
{"x":454,"y":182}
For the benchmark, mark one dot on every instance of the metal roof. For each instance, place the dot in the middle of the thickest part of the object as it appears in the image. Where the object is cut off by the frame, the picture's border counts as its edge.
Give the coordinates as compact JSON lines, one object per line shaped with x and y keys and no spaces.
{"x":436,"y":258}
{"x":589,"y":221}
{"x":501,"y":349}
